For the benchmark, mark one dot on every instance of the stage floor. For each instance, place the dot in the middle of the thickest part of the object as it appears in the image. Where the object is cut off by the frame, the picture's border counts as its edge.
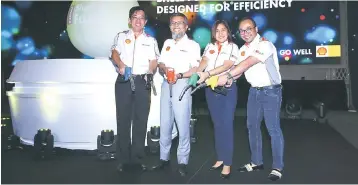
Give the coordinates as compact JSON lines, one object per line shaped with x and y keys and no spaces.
{"x":313,"y":154}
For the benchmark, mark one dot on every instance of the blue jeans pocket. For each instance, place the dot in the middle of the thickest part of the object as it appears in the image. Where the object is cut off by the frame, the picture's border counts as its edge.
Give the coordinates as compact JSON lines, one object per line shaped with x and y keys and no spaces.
{"x":272,"y":92}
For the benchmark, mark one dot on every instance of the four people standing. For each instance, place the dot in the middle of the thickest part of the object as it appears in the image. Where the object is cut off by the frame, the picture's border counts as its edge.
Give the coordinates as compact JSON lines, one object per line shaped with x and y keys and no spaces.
{"x":221,"y":58}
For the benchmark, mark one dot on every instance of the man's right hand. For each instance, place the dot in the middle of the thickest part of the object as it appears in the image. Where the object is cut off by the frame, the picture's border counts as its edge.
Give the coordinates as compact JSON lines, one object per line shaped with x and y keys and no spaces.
{"x":121,"y":70}
{"x":222,"y":80}
{"x":162,"y":69}
{"x":174,"y":80}
{"x":120,"y":66}
{"x":229,"y":83}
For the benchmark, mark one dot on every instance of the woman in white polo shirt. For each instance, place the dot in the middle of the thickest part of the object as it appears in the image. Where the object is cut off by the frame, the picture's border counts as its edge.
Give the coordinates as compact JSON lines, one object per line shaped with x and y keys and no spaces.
{"x":219,"y":56}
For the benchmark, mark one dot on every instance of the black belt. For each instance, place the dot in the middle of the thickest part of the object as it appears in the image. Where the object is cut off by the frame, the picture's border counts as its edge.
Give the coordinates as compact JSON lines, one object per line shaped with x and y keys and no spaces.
{"x":141,"y":75}
{"x":121,"y":77}
{"x":268,"y":87}
{"x":135,"y":76}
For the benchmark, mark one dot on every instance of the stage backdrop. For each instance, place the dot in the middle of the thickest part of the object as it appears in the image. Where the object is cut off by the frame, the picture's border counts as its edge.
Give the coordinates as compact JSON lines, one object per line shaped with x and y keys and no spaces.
{"x":303,"y":32}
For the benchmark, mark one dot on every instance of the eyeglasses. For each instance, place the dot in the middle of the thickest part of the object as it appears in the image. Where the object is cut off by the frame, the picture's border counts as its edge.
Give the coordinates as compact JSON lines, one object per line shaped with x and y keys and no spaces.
{"x":138,"y":18}
{"x":180,"y":23}
{"x":247,"y":31}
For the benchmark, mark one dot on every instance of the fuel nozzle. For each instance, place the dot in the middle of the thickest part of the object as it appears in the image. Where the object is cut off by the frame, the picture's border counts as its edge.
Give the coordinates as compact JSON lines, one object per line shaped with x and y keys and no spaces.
{"x":212,"y":82}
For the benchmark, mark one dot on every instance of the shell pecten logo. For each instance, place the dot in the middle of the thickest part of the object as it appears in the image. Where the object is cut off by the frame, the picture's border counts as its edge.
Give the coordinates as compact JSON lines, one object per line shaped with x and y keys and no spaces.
{"x":328,"y":51}
{"x":322,"y":51}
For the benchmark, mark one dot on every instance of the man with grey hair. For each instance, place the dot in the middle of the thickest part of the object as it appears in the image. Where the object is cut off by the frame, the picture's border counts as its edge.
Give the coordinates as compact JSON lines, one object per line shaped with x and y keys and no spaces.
{"x":182,"y":55}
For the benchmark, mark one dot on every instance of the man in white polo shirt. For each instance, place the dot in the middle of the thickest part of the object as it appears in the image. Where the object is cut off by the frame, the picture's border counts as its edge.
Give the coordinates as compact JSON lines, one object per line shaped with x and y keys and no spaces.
{"x":134,"y":55}
{"x":183,"y":55}
{"x":258,"y":60}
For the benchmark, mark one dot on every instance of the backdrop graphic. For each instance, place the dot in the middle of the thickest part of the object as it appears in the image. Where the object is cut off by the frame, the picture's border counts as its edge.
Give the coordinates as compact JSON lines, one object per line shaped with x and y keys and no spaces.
{"x":303,"y":32}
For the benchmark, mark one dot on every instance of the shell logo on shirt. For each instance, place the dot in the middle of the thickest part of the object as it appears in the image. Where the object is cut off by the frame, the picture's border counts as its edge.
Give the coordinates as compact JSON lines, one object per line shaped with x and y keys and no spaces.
{"x":128,"y":41}
{"x":243,"y":53}
{"x":263,"y":39}
{"x":168,"y":48}
{"x":211,"y":51}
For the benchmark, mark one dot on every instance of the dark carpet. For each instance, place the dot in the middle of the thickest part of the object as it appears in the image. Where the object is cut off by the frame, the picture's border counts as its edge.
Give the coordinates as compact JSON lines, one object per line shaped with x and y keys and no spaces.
{"x":314,"y":153}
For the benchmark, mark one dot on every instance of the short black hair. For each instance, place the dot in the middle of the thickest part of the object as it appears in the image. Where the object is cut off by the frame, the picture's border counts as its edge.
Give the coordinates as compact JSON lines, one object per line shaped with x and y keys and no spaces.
{"x":248,"y":19}
{"x":180,"y":15}
{"x":136,"y":8}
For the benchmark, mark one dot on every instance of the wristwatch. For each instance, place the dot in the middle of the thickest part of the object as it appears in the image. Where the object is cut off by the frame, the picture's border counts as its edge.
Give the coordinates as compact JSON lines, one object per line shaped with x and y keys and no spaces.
{"x":229,"y":76}
{"x":179,"y":75}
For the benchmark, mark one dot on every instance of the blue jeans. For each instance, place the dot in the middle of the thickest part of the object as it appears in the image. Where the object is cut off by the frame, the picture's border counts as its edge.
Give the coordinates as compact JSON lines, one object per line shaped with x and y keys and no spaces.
{"x":265,"y":103}
{"x":222,"y":111}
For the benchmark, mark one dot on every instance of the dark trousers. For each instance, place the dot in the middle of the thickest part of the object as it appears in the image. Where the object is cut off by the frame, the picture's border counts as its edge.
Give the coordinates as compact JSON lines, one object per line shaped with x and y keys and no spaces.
{"x":265,"y":103}
{"x":222,"y":111}
{"x":131,"y":106}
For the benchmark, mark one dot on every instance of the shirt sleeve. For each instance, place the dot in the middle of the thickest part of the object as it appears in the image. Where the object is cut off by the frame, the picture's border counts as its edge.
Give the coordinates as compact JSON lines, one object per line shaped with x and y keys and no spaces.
{"x":264,"y":50}
{"x":162,"y":56}
{"x":205,"y":53}
{"x":154,"y":52}
{"x":196,"y":55}
{"x":234,"y":56}
{"x":116,"y":45}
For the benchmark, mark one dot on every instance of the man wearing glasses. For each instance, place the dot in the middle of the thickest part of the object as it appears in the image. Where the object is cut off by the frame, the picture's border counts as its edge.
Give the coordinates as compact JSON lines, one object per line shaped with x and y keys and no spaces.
{"x":258,"y":60}
{"x":134,"y":55}
{"x":183,"y":55}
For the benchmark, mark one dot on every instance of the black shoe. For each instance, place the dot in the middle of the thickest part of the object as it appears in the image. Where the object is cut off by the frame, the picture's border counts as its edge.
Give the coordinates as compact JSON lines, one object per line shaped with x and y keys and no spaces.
{"x":182,"y":170}
{"x":275,"y":175}
{"x":217,"y":168}
{"x":250,"y":167}
{"x":225,"y":176}
{"x":162,"y":164}
{"x":139,"y":167}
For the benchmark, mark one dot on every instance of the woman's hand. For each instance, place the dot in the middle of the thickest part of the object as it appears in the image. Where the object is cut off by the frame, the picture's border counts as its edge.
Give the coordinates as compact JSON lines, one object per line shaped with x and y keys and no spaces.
{"x":203,"y":76}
